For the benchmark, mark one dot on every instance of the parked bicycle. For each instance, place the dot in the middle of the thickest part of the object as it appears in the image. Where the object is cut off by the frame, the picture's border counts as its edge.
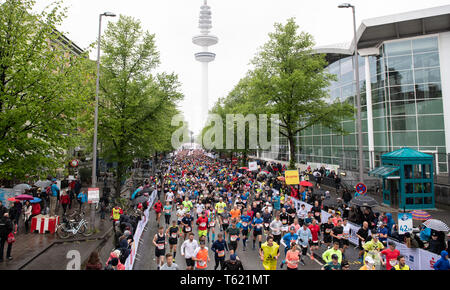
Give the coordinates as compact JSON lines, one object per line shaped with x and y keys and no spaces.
{"x":72,"y":228}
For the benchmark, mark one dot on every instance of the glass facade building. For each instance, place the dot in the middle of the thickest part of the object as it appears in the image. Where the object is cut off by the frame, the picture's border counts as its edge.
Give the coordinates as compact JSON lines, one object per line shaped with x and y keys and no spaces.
{"x":403,"y":105}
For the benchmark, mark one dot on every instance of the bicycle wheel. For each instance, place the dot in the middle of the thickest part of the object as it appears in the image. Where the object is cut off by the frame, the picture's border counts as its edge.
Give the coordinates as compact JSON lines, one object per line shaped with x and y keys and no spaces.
{"x":85,"y":231}
{"x":62,"y":232}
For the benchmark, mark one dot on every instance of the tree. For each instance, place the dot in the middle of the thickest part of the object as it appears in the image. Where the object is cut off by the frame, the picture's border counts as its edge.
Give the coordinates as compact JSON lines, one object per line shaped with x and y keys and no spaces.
{"x":135,"y":106}
{"x":44,"y":87}
{"x":290,"y":80}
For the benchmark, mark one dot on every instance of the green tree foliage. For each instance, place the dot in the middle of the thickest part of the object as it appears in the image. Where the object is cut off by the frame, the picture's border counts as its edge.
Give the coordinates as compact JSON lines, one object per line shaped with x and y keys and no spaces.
{"x":136,"y":105}
{"x":44,"y":87}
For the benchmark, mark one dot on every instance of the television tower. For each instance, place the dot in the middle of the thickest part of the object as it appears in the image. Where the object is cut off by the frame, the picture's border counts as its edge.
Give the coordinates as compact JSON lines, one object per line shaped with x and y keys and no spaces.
{"x":205,"y":40}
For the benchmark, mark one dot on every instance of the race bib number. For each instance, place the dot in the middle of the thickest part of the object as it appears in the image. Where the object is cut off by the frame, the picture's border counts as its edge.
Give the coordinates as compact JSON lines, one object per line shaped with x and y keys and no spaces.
{"x":328,"y":230}
{"x":233,"y":238}
{"x":258,"y":226}
{"x":201,"y":263}
{"x":174,"y":235}
{"x":317,"y":213}
{"x":284,"y":229}
{"x":244,"y":224}
{"x":188,"y":229}
{"x":225,"y":221}
{"x":211,"y":224}
{"x":284,"y":222}
{"x":203,"y":225}
{"x":221,"y":253}
{"x":266,"y":225}
{"x":393,"y":263}
{"x":161,"y":246}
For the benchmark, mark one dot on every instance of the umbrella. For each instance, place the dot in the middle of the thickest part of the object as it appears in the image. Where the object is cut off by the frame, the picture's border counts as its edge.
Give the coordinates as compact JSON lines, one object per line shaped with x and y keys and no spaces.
{"x":364,"y":200}
{"x":138,"y":200}
{"x":36,"y":200}
{"x":420,"y":215}
{"x":24,"y":197}
{"x":281,"y":178}
{"x":12,"y":199}
{"x":330,"y":202}
{"x":43,"y":184}
{"x":244,"y":168}
{"x":20,"y":188}
{"x":306,"y":183}
{"x":436,"y":225}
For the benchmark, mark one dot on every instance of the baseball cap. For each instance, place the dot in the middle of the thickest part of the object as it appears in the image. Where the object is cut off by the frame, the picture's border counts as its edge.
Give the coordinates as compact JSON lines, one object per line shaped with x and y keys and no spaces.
{"x":292,"y":228}
{"x":369,"y":260}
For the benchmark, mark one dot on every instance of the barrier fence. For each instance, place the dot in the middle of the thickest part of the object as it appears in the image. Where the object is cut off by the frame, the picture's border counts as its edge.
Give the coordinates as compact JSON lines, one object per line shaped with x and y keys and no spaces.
{"x":129,"y":263}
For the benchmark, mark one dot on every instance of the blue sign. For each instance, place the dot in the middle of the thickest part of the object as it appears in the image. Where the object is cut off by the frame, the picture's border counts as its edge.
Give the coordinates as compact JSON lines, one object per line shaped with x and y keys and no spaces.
{"x":405,"y":223}
{"x":361,"y":188}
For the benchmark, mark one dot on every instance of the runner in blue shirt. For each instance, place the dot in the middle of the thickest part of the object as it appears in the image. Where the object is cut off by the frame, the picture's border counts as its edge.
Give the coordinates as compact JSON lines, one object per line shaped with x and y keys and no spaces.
{"x":276,"y":202}
{"x":244,"y":224}
{"x":257,"y":229}
{"x":286,"y":242}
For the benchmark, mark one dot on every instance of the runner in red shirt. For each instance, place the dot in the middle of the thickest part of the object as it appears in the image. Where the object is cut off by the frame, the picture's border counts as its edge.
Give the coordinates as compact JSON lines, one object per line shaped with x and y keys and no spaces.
{"x":158,"y":209}
{"x":202,"y":223}
{"x":315,"y":231}
{"x":391,"y":256}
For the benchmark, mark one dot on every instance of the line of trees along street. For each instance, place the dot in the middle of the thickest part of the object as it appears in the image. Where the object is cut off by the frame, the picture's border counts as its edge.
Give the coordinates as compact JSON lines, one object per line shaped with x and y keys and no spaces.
{"x":290,"y":80}
{"x":47,"y":94}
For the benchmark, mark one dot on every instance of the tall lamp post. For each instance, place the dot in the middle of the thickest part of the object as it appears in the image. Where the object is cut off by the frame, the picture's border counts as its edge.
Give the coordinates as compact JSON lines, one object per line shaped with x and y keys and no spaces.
{"x":358,"y":95}
{"x":94,"y":159}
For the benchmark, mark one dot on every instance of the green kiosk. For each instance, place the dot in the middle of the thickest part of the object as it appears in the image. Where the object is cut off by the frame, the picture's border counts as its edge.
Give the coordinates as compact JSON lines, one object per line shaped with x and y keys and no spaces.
{"x":407,"y":179}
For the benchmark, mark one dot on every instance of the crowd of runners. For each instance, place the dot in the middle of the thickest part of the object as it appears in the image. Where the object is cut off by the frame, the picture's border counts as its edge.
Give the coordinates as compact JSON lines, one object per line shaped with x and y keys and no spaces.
{"x":220,"y":208}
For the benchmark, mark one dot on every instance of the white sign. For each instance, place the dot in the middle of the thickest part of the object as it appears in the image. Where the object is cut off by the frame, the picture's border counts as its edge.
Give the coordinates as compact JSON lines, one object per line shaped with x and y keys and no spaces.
{"x":405,"y":223}
{"x":93,"y":195}
{"x":253,"y":166}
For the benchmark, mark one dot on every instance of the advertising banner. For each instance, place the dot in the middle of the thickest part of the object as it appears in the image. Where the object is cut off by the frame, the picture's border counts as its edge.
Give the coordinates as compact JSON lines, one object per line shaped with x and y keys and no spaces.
{"x":253,"y":166}
{"x":292,"y":177}
{"x":405,"y":223}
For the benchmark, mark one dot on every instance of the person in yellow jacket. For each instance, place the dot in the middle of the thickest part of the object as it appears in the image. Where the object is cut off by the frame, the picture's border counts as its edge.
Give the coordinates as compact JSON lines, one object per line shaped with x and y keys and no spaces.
{"x":401,"y":265}
{"x":269,"y":254}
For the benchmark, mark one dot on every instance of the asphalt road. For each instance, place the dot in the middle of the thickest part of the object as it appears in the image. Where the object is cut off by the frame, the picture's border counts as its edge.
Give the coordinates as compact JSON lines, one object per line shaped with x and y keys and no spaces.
{"x":145,"y":258}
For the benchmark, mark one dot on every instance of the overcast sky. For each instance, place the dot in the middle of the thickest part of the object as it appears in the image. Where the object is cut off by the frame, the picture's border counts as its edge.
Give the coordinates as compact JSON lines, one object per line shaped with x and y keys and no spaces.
{"x":241,"y":25}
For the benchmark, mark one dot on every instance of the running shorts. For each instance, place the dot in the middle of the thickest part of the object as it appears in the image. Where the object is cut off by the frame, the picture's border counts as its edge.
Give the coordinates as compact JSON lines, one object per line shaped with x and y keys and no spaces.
{"x":190,"y":262}
{"x":304,"y":250}
{"x":173,"y":241}
{"x":327,"y":239}
{"x":159,"y":253}
{"x":245,"y":233}
{"x":202,"y":233}
{"x":257,"y":233}
{"x":345,"y":242}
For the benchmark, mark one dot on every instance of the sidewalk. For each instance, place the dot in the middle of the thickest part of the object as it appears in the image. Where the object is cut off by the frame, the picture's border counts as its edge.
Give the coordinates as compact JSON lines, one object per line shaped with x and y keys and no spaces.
{"x":29,"y":246}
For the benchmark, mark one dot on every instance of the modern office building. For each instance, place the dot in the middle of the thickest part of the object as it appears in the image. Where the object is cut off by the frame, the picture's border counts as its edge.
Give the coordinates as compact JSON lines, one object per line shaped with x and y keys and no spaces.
{"x":405,"y":93}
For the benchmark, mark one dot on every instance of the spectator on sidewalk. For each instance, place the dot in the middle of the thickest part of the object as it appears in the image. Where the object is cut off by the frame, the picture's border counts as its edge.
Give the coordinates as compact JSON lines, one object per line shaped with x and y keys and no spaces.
{"x":54,"y":197}
{"x":35,"y":209}
{"x":27,"y":211}
{"x":14,"y":214}
{"x":94,"y":262}
{"x":65,"y":201}
{"x":6,"y":228}
{"x":82,"y":199}
{"x":3,"y":209}
{"x":442,"y":263}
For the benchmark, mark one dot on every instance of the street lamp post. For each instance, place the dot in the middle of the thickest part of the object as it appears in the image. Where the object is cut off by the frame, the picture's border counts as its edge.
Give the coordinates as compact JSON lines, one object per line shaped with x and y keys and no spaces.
{"x":358,"y":95}
{"x":94,"y":159}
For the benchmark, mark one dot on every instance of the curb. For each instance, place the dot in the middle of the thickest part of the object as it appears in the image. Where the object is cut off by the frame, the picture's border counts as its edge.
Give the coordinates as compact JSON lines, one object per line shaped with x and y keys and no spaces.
{"x":59,"y":242}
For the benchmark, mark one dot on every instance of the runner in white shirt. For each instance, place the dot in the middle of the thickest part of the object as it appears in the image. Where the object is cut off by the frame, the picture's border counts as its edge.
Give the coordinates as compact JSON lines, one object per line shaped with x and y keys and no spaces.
{"x":169,"y":197}
{"x":346,"y":235}
{"x":275,"y":228}
{"x":180,"y":214}
{"x":187,"y":251}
